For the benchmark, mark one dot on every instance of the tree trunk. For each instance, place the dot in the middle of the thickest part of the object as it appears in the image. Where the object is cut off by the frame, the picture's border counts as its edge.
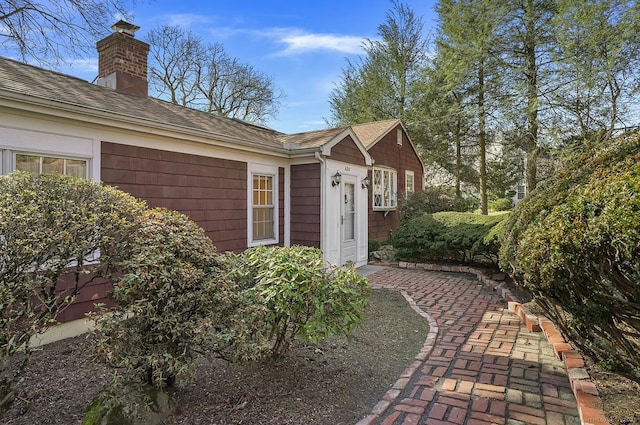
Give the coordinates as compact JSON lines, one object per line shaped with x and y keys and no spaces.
{"x":458,"y":160}
{"x":482,"y":142}
{"x":531,"y":73}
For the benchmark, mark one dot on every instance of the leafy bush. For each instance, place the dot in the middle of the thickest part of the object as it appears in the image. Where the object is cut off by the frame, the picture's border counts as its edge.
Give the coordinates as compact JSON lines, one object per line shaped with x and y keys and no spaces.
{"x":373,"y":245}
{"x":173,"y":298}
{"x":52,"y":228}
{"x":448,"y":235}
{"x":432,"y":200}
{"x":575,"y":243}
{"x":303,"y":297}
{"x":500,"y":204}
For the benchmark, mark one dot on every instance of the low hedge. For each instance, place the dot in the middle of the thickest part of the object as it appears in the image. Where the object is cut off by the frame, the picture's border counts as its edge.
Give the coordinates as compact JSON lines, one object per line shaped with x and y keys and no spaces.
{"x":575,"y":243}
{"x":432,"y":200}
{"x":458,"y":236}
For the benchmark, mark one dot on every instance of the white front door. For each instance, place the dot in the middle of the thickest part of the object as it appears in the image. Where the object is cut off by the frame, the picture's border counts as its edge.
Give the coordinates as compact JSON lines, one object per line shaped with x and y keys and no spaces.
{"x":348,"y":231}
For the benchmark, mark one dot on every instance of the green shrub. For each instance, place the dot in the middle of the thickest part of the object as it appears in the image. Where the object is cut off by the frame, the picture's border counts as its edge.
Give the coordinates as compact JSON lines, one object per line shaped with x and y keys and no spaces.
{"x":52,"y":228}
{"x":302,"y":296}
{"x":373,"y":245}
{"x":432,"y":200}
{"x":419,"y":238}
{"x":500,"y":204}
{"x":575,"y":243}
{"x":173,"y":298}
{"x":448,"y":236}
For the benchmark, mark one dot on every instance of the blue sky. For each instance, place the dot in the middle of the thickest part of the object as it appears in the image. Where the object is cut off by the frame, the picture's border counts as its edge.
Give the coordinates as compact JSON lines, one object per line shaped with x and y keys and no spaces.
{"x":301,"y":44}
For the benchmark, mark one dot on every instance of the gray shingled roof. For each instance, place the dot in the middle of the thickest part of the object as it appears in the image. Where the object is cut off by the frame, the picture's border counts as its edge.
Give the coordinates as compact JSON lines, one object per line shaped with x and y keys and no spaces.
{"x":66,"y":90}
{"x":370,"y":133}
{"x":72,"y":92}
{"x":311,"y":139}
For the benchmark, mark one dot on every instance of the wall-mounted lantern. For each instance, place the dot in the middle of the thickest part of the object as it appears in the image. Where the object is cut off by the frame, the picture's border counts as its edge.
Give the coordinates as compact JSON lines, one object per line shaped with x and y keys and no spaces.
{"x":365,"y":182}
{"x":336,"y":179}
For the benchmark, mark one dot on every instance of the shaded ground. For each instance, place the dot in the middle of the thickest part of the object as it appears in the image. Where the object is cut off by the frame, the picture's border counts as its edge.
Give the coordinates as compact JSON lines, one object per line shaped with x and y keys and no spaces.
{"x":331,"y":384}
{"x":620,"y":396}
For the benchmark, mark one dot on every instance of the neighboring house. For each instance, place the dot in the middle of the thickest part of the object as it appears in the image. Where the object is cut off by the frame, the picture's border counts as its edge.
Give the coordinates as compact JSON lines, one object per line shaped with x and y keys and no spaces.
{"x":245,"y":184}
{"x":547,"y":167}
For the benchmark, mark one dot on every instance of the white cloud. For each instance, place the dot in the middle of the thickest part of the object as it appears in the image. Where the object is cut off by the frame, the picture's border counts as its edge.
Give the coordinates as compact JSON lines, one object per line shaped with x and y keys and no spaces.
{"x":300,"y":43}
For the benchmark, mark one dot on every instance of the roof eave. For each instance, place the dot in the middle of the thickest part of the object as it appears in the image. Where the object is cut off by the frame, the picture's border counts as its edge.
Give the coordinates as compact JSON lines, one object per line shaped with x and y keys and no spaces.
{"x":82,"y":113}
{"x":348,"y":131}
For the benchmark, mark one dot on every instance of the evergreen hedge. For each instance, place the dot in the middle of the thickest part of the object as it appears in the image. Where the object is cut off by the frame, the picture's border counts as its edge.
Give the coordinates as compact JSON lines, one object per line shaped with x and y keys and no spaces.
{"x":575,"y":243}
{"x":457,"y":236}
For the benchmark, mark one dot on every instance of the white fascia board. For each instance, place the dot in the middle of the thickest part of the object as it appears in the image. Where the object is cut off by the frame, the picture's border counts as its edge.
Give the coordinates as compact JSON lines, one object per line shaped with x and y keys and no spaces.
{"x":326,"y":148}
{"x":90,"y":116}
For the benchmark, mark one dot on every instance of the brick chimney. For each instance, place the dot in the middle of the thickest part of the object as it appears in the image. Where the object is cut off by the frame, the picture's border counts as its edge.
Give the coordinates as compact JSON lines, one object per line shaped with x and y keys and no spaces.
{"x":122,"y":61}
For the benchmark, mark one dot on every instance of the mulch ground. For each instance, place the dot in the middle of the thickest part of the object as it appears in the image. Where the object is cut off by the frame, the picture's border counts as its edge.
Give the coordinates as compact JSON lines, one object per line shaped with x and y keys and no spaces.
{"x":333,"y":383}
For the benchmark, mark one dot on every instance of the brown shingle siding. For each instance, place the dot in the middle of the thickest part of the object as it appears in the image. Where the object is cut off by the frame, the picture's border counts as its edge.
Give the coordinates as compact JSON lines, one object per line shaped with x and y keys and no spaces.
{"x":305,"y":205}
{"x":387,"y":152}
{"x":347,"y":151}
{"x":206,"y":189}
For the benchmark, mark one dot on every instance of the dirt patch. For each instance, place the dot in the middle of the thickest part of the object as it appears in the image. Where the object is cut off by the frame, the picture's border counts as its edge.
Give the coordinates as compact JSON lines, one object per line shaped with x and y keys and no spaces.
{"x":620,"y":396}
{"x":330,"y":384}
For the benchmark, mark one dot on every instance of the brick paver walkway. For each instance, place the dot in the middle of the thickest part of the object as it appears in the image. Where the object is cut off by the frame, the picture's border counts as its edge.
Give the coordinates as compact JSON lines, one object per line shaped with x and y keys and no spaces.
{"x":485,"y":366}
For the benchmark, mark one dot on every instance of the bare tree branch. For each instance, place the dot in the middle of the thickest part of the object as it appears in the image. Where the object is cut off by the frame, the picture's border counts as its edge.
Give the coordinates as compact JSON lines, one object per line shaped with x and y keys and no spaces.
{"x":52,"y":31}
{"x":188,"y":72}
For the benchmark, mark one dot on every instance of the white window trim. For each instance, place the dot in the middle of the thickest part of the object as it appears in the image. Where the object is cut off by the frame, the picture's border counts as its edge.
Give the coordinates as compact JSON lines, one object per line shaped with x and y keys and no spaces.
{"x":392,"y":203}
{"x":267,"y":170}
{"x":399,"y":136}
{"x":408,"y":175}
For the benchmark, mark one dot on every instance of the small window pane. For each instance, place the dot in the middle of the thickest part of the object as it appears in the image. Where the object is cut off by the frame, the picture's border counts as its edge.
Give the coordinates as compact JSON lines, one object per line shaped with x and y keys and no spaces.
{"x":52,"y":165}
{"x":28,"y":163}
{"x":262,"y":223}
{"x":76,"y":168}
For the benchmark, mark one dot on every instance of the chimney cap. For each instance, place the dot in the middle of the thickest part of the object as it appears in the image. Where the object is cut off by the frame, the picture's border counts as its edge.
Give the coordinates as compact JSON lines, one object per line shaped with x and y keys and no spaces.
{"x":125,"y":27}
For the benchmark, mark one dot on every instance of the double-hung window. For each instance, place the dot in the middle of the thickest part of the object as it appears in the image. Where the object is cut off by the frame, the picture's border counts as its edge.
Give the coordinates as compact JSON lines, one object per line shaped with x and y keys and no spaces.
{"x":384,"y":188}
{"x":263,"y":208}
{"x":409,"y":182}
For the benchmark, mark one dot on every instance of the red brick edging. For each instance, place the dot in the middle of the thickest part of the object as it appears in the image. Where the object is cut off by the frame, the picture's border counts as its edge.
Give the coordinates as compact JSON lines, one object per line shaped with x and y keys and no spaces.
{"x":585,"y":392}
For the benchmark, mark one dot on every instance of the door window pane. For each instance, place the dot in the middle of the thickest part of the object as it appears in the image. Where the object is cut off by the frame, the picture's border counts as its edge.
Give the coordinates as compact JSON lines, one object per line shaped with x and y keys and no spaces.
{"x":349,"y":212}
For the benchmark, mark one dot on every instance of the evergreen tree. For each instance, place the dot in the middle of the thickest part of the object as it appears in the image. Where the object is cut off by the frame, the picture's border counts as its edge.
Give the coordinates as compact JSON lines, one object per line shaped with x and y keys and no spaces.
{"x":467,"y":44}
{"x":382,"y":84}
{"x":528,"y":42}
{"x":599,"y":54}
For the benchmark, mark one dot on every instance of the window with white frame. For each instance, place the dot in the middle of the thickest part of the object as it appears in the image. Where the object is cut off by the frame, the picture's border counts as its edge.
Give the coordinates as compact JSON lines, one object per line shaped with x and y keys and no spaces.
{"x":384,"y":188}
{"x":42,"y":164}
{"x":521,"y":191}
{"x":399,"y":136}
{"x":409,"y":182}
{"x":263,"y":205}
